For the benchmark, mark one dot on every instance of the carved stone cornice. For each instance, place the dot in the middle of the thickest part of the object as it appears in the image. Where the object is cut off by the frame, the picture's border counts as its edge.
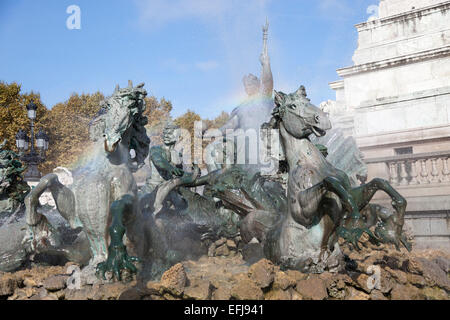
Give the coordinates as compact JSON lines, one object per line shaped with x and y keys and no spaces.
{"x":395,"y":62}
{"x":393,"y":138}
{"x":392,"y":102}
{"x":412,"y":14}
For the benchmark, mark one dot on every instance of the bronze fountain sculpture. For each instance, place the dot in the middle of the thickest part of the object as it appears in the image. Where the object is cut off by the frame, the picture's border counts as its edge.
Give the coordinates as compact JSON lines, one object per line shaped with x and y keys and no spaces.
{"x":322,"y":204}
{"x":298,"y":227}
{"x":104,"y":189}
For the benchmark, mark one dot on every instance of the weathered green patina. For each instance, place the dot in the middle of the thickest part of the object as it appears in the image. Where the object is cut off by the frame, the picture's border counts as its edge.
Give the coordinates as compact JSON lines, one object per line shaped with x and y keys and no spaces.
{"x":13,"y":188}
{"x":104,"y":189}
{"x":321,"y":200}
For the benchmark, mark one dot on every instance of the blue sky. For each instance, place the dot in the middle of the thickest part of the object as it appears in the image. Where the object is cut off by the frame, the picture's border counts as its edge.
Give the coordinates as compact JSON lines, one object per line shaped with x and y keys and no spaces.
{"x":193,"y":52}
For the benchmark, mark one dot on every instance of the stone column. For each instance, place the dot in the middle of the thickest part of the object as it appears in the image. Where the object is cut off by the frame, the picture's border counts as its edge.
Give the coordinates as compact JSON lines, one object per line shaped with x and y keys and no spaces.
{"x":403,"y":174}
{"x":434,"y":171}
{"x":393,"y":173}
{"x":445,"y":171}
{"x":424,"y":171}
{"x":414,"y":174}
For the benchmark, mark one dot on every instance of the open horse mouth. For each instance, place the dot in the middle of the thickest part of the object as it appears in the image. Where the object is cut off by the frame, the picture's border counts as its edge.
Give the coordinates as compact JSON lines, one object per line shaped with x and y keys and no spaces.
{"x":112,"y":148}
{"x":318,"y":132}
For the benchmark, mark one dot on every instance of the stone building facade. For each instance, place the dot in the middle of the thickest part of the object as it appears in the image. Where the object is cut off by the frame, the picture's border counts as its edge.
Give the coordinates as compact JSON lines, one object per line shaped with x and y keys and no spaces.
{"x":395,"y":101}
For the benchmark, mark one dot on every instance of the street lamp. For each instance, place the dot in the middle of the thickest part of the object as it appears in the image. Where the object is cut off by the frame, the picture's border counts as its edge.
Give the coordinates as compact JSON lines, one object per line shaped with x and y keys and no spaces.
{"x":21,"y":140}
{"x":40,"y":140}
{"x":33,"y":158}
{"x":31,"y":108}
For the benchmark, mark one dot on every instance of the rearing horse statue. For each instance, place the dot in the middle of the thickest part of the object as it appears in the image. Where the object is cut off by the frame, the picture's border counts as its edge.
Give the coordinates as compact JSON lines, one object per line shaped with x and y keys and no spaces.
{"x":103,"y":196}
{"x":322,"y":204}
{"x":301,"y":230}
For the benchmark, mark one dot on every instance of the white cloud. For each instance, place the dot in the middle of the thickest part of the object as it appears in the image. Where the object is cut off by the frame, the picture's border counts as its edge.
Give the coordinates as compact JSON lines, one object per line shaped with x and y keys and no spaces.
{"x":236,"y":24}
{"x":207,"y":65}
{"x":174,"y":65}
{"x":336,"y":9}
{"x":157,"y":13}
{"x":177,"y":66}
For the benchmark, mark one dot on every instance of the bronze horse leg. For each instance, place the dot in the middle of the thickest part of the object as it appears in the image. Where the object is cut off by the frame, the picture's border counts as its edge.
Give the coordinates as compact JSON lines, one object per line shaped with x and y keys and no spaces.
{"x":365,"y":193}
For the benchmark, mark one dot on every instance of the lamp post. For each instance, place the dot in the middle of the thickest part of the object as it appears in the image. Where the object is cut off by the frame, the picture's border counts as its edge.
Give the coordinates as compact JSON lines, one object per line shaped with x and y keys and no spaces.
{"x":36,"y":154}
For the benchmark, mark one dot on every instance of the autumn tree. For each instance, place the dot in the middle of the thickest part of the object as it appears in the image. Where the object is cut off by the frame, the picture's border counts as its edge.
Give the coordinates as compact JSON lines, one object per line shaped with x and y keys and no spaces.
{"x":67,"y":122}
{"x":187,"y":122}
{"x":158,"y":113}
{"x":217,"y":122}
{"x":68,"y":129}
{"x":13,"y":112}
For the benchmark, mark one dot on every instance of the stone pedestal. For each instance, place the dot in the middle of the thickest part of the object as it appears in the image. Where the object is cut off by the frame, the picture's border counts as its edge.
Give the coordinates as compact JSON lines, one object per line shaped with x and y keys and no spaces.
{"x":395,"y":101}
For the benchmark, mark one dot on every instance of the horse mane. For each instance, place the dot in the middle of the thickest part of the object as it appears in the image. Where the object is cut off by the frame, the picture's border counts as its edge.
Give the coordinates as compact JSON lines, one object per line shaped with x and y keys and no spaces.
{"x":139,"y":141}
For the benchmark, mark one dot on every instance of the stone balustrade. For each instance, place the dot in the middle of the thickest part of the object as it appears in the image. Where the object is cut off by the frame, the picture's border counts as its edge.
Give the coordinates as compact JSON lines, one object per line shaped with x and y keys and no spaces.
{"x":416,"y":169}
